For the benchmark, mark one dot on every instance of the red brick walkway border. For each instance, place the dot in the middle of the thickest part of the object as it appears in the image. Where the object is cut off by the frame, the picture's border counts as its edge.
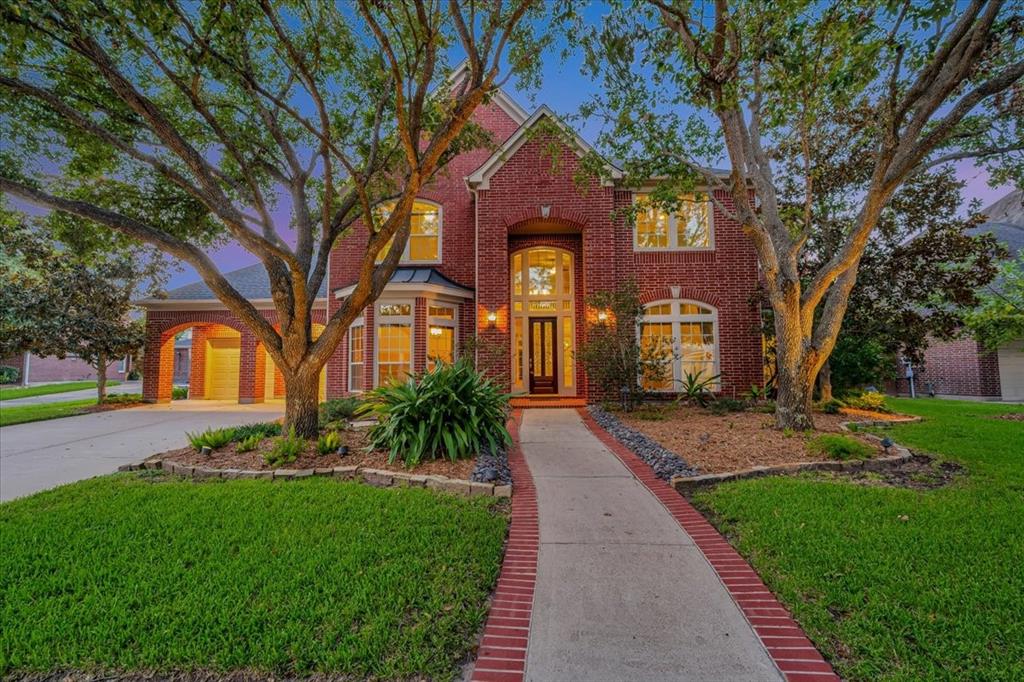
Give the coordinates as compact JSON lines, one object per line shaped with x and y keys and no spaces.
{"x":502,"y":654}
{"x":782,"y":636}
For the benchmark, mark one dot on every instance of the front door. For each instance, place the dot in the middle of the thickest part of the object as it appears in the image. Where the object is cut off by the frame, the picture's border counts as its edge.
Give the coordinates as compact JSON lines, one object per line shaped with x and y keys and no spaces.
{"x":543,"y":359}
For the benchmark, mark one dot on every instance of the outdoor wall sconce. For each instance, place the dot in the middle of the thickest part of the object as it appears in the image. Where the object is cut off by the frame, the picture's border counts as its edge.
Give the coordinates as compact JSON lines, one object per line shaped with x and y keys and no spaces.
{"x":602,"y":316}
{"x":492,"y":317}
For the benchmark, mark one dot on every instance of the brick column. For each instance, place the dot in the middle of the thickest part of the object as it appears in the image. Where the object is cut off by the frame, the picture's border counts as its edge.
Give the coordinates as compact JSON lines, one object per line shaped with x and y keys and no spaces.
{"x":419,"y":335}
{"x":252,"y":365}
{"x":197,"y":364}
{"x":158,"y":376}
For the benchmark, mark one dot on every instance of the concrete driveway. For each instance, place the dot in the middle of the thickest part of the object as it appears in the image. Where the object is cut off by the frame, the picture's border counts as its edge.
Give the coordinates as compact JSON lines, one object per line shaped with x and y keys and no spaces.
{"x":45,"y":454}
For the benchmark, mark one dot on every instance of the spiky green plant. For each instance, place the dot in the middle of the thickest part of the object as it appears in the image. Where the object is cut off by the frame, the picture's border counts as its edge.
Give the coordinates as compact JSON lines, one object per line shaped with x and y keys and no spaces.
{"x":450,"y":411}
{"x":328,"y":442}
{"x":250,"y":442}
{"x":695,"y":389}
{"x":211,"y":438}
{"x":286,"y":449}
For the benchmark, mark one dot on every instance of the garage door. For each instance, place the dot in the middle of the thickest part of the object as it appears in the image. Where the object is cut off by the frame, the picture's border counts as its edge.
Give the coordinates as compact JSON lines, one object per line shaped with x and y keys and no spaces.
{"x":222,"y":356}
{"x":1011,"y":370}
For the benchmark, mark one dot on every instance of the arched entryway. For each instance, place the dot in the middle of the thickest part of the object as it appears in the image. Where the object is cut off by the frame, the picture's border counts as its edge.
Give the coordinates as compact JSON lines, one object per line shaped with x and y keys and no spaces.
{"x":543,"y":321}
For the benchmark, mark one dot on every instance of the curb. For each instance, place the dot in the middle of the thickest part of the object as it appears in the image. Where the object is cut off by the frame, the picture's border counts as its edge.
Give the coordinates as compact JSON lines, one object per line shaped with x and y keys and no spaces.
{"x":502,"y":653}
{"x":787,"y":644}
{"x":378,"y":478}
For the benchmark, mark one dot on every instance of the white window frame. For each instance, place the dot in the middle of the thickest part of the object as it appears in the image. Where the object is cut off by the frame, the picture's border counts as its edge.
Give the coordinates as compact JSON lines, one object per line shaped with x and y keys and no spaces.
{"x":452,"y":324}
{"x":378,"y":320}
{"x":673,"y":230}
{"x":676,"y":318}
{"x":358,"y":322}
{"x":406,"y":260}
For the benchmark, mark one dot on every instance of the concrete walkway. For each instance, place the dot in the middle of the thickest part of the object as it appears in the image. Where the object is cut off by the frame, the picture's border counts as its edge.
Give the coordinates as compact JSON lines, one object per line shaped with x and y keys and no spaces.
{"x":68,"y":396}
{"x":622,"y":592}
{"x":40,"y":455}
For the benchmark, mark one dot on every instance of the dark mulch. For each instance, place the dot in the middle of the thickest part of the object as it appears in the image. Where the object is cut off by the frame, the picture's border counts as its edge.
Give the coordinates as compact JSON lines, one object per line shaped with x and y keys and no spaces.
{"x":920,"y":472}
{"x":1012,"y":416}
{"x":228,"y":457}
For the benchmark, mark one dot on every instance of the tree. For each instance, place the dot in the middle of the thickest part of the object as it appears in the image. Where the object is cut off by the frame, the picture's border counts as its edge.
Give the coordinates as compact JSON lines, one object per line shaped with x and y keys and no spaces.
{"x":940,"y":83}
{"x":614,"y":358}
{"x":235,"y":114}
{"x":999,"y":318}
{"x":58,"y":302}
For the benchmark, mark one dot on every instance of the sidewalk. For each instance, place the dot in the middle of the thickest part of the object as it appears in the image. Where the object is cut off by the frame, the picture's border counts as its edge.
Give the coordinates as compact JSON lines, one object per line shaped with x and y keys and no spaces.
{"x":622,"y":592}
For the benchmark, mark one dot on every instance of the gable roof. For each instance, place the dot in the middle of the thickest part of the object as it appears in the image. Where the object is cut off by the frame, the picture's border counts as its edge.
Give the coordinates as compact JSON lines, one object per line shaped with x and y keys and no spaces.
{"x":481,"y":177}
{"x":1005,"y":222}
{"x":252,"y":282}
{"x":499,"y":96}
{"x":416,"y":279}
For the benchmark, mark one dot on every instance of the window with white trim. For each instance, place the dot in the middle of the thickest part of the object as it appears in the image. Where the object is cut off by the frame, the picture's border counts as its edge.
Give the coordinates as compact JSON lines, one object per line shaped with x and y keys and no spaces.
{"x":356,"y":345}
{"x":692,"y":329}
{"x":394,"y":341}
{"x":441,"y":328}
{"x":424,"y":244}
{"x":689,"y":227}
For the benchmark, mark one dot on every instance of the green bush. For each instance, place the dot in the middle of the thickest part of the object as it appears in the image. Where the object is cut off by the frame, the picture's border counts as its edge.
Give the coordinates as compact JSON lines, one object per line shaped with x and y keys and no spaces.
{"x":451,"y":411}
{"x":126,"y":398}
{"x":249,"y":443}
{"x":340,"y":409}
{"x":832,"y":406}
{"x":286,"y":449}
{"x":134,"y":374}
{"x":261,"y":429}
{"x":179,"y":393}
{"x":211,"y":438}
{"x":869,"y":400}
{"x":839,"y":447}
{"x":9,"y":375}
{"x":328,"y":442}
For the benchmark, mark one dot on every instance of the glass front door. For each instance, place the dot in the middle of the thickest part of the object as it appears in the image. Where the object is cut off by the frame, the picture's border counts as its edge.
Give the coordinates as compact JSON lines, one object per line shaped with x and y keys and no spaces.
{"x":543,"y":359}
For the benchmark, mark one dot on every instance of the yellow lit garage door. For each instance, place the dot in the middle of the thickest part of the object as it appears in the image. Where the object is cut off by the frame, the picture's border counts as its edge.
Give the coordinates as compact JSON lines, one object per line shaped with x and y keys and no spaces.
{"x":222,"y":356}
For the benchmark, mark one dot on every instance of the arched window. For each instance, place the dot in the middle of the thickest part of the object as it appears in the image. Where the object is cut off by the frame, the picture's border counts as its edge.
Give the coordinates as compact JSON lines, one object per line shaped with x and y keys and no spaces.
{"x":691,"y":328}
{"x":424,"y":245}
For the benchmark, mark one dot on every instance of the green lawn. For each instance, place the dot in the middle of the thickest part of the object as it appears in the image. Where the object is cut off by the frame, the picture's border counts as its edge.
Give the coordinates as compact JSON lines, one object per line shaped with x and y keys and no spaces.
{"x":148,"y":572}
{"x":21,"y":414}
{"x":48,"y":389}
{"x":938,"y":596}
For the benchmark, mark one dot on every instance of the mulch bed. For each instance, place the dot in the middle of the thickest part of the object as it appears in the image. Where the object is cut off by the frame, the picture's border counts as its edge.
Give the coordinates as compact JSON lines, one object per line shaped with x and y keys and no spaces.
{"x":108,"y":407}
{"x":920,"y":472}
{"x":228,"y":457}
{"x":1013,"y":416}
{"x":734,"y":441}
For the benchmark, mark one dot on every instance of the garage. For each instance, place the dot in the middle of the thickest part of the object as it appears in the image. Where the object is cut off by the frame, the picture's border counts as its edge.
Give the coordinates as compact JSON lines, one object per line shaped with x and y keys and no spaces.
{"x":1011,"y":370}
{"x":222,"y":361}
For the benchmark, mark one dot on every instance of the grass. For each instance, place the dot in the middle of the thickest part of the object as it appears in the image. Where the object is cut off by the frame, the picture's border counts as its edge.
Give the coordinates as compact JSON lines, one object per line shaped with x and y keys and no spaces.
{"x":48,"y":389}
{"x":22,"y":414}
{"x":146,"y":572}
{"x":892,"y":583}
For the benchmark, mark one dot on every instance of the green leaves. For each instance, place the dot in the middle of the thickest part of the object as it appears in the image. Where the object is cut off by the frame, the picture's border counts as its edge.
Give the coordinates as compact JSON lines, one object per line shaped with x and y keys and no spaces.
{"x":450,"y":411}
{"x":1000,"y":317}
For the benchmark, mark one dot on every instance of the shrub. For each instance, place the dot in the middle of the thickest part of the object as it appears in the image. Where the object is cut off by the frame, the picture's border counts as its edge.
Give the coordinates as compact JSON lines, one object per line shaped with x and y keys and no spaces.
{"x":451,"y":410}
{"x":250,"y":442}
{"x":286,"y":449}
{"x":840,"y":447}
{"x":696,"y":388}
{"x":179,"y":393}
{"x":339,"y":409}
{"x":328,"y":442}
{"x":211,"y":438}
{"x":726,"y":405}
{"x":261,"y":429}
{"x":832,"y":406}
{"x":134,"y":374}
{"x":8,"y":374}
{"x":869,"y":400}
{"x":125,"y":398}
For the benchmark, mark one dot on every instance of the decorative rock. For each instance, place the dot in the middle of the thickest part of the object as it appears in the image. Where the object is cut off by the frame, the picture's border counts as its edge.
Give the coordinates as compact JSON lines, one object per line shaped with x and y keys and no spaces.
{"x":303,"y":473}
{"x":481,"y":489}
{"x":248,"y":473}
{"x":377,"y":477}
{"x":417,"y":481}
{"x":492,"y":467}
{"x":285,"y":474}
{"x":323,"y":471}
{"x":345,"y":472}
{"x":182,"y":469}
{"x":205,"y":472}
{"x":665,"y":463}
{"x":230,"y":473}
{"x":125,"y":467}
{"x":503,"y":490}
{"x":152,"y":464}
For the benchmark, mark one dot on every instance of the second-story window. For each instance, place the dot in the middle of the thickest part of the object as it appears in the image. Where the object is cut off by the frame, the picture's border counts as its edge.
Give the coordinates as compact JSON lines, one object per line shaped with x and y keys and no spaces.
{"x":690,"y":227}
{"x":424,"y":245}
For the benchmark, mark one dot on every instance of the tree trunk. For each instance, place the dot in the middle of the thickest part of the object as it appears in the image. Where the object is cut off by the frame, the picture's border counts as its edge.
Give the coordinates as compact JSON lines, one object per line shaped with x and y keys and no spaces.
{"x":101,"y":379}
{"x":825,"y":382}
{"x":794,"y":379}
{"x":302,"y":402}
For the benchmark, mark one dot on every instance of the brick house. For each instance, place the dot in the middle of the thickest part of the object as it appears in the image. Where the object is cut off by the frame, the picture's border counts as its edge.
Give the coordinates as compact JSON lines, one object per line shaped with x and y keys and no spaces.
{"x":505,"y":249}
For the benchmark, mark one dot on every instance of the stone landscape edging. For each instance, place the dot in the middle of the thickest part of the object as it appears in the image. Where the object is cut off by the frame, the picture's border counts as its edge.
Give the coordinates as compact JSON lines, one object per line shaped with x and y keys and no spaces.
{"x":784,"y":639}
{"x":379,"y":478}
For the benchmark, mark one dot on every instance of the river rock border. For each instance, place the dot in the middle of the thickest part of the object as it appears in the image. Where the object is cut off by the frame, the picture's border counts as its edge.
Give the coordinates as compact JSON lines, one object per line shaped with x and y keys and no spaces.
{"x":379,"y":478}
{"x":900,"y":455}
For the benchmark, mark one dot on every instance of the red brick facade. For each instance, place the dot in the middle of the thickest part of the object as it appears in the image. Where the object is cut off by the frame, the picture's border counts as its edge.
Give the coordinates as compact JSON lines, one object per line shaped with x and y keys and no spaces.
{"x":530,"y":199}
{"x":957,"y":368}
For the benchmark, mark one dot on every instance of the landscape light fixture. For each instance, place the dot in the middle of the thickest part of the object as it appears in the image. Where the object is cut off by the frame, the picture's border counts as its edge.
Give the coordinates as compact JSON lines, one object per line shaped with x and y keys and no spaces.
{"x":887,"y":443}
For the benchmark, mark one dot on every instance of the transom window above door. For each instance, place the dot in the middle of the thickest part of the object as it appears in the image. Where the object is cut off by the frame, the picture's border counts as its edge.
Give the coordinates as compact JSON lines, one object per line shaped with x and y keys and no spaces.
{"x":424,"y":245}
{"x":688,"y":227}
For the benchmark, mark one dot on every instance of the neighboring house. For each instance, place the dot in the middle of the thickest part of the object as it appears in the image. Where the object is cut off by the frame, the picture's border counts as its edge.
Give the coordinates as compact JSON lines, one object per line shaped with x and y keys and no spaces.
{"x":182,"y":356}
{"x":505,"y":249}
{"x":36,"y":369}
{"x":962,"y":368}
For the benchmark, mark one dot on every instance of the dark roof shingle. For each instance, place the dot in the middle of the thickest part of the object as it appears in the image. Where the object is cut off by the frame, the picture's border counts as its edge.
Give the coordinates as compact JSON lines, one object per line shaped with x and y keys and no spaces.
{"x":251,"y":282}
